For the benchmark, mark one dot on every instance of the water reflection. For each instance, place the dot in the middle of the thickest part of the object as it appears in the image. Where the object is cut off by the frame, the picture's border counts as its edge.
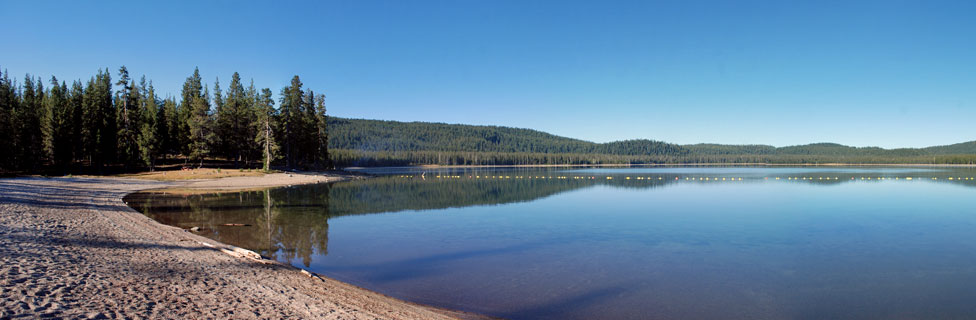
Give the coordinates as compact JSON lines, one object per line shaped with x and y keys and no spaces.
{"x":289,"y":225}
{"x":292,"y":224}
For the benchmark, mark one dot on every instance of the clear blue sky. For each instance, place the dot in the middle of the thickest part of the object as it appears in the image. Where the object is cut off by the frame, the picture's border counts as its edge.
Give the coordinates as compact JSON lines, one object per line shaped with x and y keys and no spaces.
{"x":878,"y":73}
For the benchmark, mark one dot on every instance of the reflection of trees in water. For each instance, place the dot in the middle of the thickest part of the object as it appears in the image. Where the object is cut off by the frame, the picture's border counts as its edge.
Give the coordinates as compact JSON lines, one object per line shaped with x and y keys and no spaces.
{"x":292,"y":223}
{"x":277,"y":224}
{"x":299,"y":223}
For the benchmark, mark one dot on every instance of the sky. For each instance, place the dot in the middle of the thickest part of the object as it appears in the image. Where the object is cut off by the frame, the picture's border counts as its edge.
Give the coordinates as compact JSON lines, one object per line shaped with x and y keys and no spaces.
{"x":863,"y":73}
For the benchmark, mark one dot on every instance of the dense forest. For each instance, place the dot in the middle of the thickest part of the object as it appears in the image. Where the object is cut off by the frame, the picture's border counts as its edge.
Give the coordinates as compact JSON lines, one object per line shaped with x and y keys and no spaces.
{"x":356,"y":142}
{"x":105,"y":126}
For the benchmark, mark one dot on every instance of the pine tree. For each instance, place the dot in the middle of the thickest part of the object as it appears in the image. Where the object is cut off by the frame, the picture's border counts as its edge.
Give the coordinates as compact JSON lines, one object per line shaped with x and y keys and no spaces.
{"x":162,"y":129}
{"x":171,"y":140}
{"x":62,"y":125}
{"x":77,"y":101}
{"x":9,"y":103}
{"x":30,"y":118}
{"x":309,"y":129}
{"x":292,"y":121}
{"x":233,"y":121}
{"x":264,"y":128}
{"x":251,"y":112}
{"x":192,"y":90}
{"x":322,"y":134}
{"x":148,"y":132}
{"x":201,"y":127}
{"x":127,"y":118}
{"x":219,"y":140}
{"x":99,"y":123}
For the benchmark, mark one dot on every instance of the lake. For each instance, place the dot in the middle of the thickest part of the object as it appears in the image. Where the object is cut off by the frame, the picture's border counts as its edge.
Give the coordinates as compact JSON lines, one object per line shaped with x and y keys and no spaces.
{"x":628,"y":243}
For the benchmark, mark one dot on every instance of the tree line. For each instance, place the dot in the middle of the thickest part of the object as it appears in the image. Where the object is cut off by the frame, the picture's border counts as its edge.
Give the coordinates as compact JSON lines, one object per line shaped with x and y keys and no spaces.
{"x":358,"y":142}
{"x":124,"y":125}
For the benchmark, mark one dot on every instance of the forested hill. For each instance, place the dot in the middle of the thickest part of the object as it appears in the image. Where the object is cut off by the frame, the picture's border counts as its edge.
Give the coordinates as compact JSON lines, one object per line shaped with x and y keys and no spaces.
{"x":376,"y":142}
{"x":832,"y":149}
{"x":959,"y":148}
{"x":393,"y":136}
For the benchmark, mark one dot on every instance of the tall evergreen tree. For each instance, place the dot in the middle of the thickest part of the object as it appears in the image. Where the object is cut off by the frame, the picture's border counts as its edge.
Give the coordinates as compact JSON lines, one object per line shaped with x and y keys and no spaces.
{"x":292,"y":121}
{"x":201,"y":127}
{"x":62,"y":125}
{"x":99,"y":121}
{"x":321,"y":134}
{"x":192,"y":90}
{"x":233,"y":121}
{"x":8,"y":131}
{"x":264,"y":128}
{"x":127,"y":118}
{"x":30,"y":118}
{"x":170,"y":141}
{"x":251,"y":113}
{"x":309,"y":129}
{"x":219,"y":141}
{"x":148,"y":131}
{"x":77,"y":101}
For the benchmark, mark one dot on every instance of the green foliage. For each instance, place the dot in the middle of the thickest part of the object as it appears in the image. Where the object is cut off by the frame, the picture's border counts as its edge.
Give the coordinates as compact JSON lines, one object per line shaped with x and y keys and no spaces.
{"x":192,"y":90}
{"x":235,"y":114}
{"x":169,"y":128}
{"x":33,"y":125}
{"x":62,"y":124}
{"x":374,"y":142}
{"x":357,"y":142}
{"x":149,"y":128}
{"x":953,"y":149}
{"x":321,"y":144}
{"x":264,"y":136}
{"x":128,"y":118}
{"x":201,"y":126}
{"x":92,"y":126}
{"x":292,"y":122}
{"x":9,"y":101}
{"x":98,"y":129}
{"x":302,"y":131}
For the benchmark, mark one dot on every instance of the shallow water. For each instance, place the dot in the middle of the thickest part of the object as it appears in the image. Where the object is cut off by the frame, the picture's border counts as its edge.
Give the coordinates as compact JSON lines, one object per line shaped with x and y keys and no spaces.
{"x":624,"y":243}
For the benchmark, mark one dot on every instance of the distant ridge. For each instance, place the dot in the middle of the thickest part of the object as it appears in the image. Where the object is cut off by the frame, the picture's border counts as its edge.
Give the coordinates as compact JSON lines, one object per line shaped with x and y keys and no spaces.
{"x":381,"y":142}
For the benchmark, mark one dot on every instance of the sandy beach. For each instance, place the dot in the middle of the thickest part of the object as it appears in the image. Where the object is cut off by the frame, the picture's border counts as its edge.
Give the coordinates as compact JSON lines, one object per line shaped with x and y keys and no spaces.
{"x":70,"y":248}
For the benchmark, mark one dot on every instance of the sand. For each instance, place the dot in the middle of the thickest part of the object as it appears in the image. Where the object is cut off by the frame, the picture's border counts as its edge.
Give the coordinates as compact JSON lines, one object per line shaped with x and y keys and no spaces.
{"x":70,"y":248}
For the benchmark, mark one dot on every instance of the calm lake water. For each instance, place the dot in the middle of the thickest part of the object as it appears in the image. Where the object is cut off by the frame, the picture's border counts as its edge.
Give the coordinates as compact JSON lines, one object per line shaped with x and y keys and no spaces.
{"x":739,"y":243}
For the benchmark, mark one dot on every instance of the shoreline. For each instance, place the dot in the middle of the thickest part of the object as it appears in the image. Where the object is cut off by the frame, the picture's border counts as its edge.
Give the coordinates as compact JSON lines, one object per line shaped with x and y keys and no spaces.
{"x":72,"y":248}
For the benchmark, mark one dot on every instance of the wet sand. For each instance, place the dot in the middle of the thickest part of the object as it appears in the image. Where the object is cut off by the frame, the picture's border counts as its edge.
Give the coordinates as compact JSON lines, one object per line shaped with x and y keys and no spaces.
{"x":70,"y":248}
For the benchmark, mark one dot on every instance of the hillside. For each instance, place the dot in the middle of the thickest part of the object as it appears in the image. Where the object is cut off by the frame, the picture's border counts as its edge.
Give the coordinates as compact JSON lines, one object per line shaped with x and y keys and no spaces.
{"x":959,"y":148}
{"x":393,"y":136}
{"x":376,"y":142}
